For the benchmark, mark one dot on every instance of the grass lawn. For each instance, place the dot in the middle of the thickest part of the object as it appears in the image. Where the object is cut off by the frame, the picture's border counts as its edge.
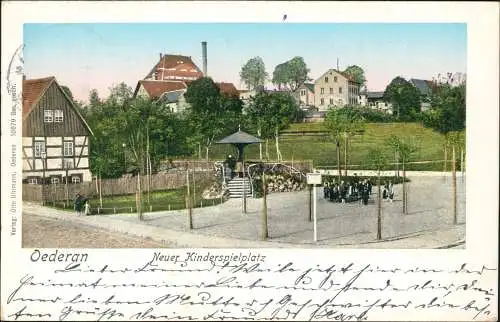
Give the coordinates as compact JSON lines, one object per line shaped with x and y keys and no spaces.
{"x":322,"y":150}
{"x":172,"y":199}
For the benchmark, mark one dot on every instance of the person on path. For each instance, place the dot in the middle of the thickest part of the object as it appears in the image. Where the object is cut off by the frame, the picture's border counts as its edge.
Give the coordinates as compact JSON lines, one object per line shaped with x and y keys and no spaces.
{"x":86,"y":206}
{"x":391,"y":192}
{"x":78,"y":204}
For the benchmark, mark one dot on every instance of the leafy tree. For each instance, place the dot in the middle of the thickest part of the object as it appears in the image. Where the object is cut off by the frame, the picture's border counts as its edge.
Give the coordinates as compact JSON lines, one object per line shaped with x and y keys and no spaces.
{"x":357,"y":73}
{"x":94,"y":100}
{"x":335,"y":123}
{"x":210,"y":114}
{"x":121,"y":93}
{"x":253,"y":73}
{"x":404,"y":150}
{"x":378,"y":159}
{"x":405,"y":98}
{"x":291,"y":74}
{"x":269,"y":114}
{"x":448,"y":108}
{"x":353,"y":124}
{"x":280,"y":75}
{"x":67,"y":91}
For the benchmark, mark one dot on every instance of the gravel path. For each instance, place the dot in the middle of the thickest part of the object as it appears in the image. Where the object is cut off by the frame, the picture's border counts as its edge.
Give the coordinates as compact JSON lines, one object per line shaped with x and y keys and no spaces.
{"x":44,"y":232}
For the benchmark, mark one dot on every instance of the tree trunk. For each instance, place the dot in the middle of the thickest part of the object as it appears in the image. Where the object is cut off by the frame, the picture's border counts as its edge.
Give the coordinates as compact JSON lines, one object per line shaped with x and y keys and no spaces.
{"x":278,"y":152}
{"x":379,"y":209}
{"x":267,"y":149}
{"x":188,"y":204}
{"x":206,"y":152}
{"x":194,"y":190}
{"x":396,"y":161}
{"x":100,"y":189}
{"x":445,"y":159}
{"x":260,"y":144}
{"x":345,"y":156}
{"x":199,"y":151}
{"x":338,"y":160}
{"x":462,"y":168}
{"x":404,"y":186}
{"x":264,"y":228}
{"x":454,"y":174}
{"x":244,"y":188}
{"x":138,"y":197}
{"x":310,"y":201}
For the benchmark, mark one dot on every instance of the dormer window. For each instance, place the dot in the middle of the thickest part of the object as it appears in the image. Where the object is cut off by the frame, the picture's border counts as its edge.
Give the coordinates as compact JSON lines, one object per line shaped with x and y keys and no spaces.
{"x":326,"y":79}
{"x":335,"y":79}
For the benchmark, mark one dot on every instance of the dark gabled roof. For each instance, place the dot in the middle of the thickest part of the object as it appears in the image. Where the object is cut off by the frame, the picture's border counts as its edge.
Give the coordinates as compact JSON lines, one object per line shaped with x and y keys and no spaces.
{"x":156,"y":88}
{"x":309,"y":86}
{"x":422,"y":85}
{"x":239,"y":137}
{"x":228,"y":89}
{"x":374,"y":94}
{"x":34,"y":89}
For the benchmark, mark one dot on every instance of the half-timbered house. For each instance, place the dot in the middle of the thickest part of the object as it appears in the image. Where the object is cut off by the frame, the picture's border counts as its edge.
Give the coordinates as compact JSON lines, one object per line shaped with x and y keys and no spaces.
{"x":55,"y":135}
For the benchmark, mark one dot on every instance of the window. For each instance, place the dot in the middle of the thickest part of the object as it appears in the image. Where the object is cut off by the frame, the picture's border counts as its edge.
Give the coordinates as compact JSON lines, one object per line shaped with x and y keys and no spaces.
{"x":322,"y":101}
{"x":303,"y":92}
{"x":58,"y":116}
{"x":32,"y":181}
{"x":326,"y":79}
{"x":75,"y":179}
{"x":335,"y":79}
{"x":54,"y":180}
{"x":322,"y":90}
{"x":48,"y":116}
{"x":340,"y":90}
{"x":331,"y":90}
{"x":39,"y":148}
{"x":68,"y":149}
{"x":331,"y":101}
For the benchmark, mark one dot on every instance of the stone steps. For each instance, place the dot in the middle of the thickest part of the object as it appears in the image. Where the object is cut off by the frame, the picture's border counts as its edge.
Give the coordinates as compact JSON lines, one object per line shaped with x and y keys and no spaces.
{"x":237,"y":186}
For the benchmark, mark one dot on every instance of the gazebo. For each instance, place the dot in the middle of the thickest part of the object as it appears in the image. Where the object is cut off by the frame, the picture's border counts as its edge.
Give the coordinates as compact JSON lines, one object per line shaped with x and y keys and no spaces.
{"x":240,"y":140}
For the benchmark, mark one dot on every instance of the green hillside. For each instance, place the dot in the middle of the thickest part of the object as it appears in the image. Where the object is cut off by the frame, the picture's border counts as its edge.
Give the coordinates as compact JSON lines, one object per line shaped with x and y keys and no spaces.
{"x":321,"y":149}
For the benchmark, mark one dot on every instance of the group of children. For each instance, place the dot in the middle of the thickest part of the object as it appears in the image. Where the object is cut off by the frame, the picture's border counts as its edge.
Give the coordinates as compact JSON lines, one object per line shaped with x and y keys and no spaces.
{"x":354,"y":191}
{"x":348,"y":192}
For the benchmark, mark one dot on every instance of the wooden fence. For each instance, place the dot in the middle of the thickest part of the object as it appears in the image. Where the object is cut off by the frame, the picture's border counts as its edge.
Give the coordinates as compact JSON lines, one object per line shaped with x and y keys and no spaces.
{"x":110,"y":187}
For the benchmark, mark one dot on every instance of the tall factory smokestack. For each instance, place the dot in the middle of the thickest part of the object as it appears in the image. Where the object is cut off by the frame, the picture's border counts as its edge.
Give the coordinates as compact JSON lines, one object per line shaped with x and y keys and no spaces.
{"x":204,"y":56}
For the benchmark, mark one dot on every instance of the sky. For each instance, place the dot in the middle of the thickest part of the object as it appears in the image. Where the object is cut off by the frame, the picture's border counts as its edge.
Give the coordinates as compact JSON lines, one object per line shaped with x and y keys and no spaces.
{"x":87,"y":56}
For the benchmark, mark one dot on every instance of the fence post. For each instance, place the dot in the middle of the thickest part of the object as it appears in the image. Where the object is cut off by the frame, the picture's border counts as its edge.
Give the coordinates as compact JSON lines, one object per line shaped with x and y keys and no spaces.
{"x":201,"y":203}
{"x":150,"y":208}
{"x":98,"y":210}
{"x":168,"y":207}
{"x":131,"y":209}
{"x":114,"y":210}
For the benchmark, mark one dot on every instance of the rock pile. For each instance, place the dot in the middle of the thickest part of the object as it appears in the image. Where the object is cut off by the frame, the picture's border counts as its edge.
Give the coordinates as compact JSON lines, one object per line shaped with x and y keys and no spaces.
{"x":215,"y":191}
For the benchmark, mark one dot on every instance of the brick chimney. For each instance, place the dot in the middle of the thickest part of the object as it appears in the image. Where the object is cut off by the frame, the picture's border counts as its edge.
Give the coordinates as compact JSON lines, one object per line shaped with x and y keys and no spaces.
{"x":204,"y":57}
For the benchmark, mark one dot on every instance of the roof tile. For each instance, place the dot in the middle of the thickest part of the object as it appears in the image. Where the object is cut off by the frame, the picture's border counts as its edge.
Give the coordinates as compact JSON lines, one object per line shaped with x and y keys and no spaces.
{"x":33,"y":90}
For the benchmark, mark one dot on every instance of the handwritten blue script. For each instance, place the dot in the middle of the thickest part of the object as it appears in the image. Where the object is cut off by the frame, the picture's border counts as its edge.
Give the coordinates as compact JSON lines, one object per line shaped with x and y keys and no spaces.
{"x":153,"y":289}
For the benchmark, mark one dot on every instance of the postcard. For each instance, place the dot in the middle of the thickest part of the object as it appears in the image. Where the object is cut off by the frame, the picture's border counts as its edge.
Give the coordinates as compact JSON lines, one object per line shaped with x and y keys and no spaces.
{"x":249,"y":161}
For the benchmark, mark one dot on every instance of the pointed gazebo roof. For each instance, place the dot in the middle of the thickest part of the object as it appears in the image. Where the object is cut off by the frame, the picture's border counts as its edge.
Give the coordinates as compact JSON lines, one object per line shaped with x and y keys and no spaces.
{"x":240,"y":137}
